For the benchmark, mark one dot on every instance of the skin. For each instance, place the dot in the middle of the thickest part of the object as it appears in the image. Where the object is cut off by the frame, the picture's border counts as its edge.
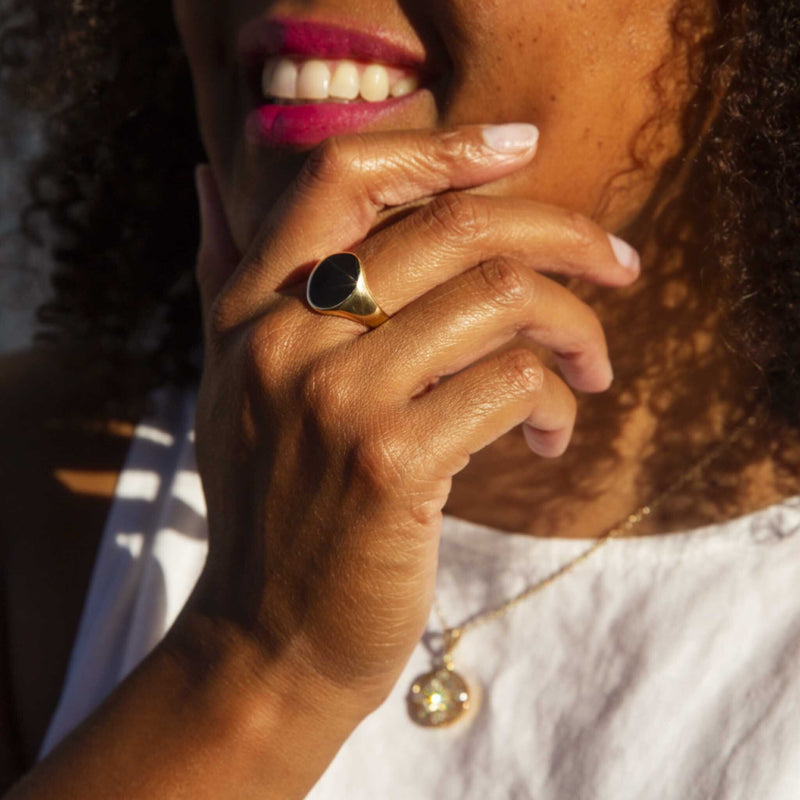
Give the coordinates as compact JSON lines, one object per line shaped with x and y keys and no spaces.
{"x":560,"y":66}
{"x":514,"y":326}
{"x":526,"y":64}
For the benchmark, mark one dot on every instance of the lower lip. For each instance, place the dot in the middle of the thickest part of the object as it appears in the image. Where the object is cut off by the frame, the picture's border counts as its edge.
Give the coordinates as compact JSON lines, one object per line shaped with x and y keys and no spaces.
{"x":307,"y":125}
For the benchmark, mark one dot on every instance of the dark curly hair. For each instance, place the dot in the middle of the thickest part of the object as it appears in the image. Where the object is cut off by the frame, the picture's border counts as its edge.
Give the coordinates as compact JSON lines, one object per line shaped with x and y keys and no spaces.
{"x":112,"y":194}
{"x":115,"y":181}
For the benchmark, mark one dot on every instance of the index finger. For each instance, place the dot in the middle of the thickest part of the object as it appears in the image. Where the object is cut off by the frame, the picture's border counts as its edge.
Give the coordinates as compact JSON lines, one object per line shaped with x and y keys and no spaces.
{"x":348,"y":180}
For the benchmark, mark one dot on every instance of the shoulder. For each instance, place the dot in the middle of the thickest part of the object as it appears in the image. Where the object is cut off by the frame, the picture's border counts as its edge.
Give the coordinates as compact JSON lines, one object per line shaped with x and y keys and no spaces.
{"x":61,"y":453}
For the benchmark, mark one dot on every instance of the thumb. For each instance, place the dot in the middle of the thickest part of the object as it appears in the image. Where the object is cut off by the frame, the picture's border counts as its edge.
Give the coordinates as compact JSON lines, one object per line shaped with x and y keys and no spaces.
{"x":217,"y":256}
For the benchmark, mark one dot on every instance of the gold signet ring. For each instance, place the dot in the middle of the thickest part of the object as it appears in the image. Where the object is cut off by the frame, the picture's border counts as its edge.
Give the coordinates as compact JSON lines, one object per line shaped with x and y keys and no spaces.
{"x":337,"y":286}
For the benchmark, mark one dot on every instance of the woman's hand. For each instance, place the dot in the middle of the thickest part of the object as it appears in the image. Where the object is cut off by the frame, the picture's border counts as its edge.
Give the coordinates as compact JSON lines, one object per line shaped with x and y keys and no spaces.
{"x":327,"y":451}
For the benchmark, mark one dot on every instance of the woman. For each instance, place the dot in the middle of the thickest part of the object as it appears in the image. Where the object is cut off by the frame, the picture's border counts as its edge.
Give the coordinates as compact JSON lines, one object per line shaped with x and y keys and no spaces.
{"x":503,"y":255}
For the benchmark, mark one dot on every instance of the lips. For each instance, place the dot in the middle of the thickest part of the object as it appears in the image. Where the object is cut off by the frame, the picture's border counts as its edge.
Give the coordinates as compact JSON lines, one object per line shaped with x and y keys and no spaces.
{"x":307,"y":104}
{"x":261,"y":38}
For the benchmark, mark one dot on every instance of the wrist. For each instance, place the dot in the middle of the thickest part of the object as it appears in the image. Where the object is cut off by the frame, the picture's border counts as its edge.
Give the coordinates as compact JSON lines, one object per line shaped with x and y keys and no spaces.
{"x":285,"y":719}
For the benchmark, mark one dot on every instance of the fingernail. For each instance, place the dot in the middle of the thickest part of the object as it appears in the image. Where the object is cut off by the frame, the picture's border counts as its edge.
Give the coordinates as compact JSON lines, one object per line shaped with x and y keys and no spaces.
{"x":625,"y":254}
{"x":513,"y":137}
{"x":544,"y":443}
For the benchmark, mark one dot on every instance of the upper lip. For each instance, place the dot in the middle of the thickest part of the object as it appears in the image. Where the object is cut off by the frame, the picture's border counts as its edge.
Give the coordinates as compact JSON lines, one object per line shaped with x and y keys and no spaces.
{"x":263,"y":37}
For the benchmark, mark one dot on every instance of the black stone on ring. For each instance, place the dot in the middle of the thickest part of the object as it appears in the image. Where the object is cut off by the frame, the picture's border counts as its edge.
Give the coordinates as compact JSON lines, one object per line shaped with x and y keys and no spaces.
{"x":337,"y":285}
{"x":333,"y":280}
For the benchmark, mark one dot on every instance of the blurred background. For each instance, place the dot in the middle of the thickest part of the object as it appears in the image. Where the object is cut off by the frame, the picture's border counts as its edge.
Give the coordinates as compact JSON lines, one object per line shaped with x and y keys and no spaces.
{"x":23,"y":266}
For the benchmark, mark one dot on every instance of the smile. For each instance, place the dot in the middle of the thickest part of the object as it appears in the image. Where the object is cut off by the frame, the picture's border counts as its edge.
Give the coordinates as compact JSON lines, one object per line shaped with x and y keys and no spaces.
{"x":316,"y":80}
{"x":313,"y":80}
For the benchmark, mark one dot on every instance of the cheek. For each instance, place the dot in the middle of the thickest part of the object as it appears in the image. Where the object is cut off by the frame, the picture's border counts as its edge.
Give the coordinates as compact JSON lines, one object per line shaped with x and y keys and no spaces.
{"x":584,"y":75}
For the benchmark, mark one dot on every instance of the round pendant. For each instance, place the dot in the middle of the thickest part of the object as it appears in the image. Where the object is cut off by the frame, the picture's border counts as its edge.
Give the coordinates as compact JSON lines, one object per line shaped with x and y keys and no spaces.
{"x":438,"y":698}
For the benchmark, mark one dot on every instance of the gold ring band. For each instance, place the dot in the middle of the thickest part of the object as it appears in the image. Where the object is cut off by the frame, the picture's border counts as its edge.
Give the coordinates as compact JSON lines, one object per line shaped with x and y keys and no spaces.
{"x":337,"y":286}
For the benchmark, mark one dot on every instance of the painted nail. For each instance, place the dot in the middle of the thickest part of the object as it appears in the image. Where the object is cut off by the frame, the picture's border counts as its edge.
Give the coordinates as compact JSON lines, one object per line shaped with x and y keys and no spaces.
{"x":542,"y":442}
{"x":513,"y":137}
{"x":625,"y":254}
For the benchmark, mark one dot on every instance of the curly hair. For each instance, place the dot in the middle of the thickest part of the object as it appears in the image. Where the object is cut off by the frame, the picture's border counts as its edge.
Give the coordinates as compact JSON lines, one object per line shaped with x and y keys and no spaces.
{"x":113,"y":188}
{"x":115,"y":181}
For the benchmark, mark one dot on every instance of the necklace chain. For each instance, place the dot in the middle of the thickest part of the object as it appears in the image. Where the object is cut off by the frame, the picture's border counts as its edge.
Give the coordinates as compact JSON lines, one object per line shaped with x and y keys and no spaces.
{"x":452,"y":635}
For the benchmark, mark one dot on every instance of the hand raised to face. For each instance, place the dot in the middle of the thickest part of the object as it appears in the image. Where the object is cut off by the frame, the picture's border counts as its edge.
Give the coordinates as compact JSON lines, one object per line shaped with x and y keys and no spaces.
{"x":601,"y":81}
{"x":326,"y":450}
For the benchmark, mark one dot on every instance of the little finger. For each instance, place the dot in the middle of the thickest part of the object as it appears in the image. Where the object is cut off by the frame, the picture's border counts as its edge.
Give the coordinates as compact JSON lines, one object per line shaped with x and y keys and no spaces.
{"x":478,"y":405}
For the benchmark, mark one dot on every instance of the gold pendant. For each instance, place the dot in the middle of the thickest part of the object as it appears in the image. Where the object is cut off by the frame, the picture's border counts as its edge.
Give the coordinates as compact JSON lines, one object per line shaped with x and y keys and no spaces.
{"x":439,"y":697}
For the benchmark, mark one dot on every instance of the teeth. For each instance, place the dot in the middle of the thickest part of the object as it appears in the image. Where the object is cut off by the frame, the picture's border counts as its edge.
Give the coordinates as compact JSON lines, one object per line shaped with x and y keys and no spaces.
{"x":375,"y":83}
{"x":283,"y":81}
{"x":316,"y":79}
{"x":404,"y":86}
{"x":313,"y":80}
{"x":345,"y":83}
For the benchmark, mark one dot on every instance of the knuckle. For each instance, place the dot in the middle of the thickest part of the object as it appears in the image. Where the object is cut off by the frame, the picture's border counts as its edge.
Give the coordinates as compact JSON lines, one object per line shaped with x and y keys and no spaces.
{"x":425,"y":501}
{"x":523,"y":371}
{"x":588,"y":334}
{"x":583,"y":233}
{"x":219,"y":319}
{"x":331,"y":161}
{"x":342,"y":165}
{"x":452,"y":149}
{"x":505,"y":282}
{"x":224,"y":315}
{"x":427,"y":512}
{"x":267,"y":346}
{"x":378,"y":459}
{"x":324,"y":390}
{"x":457,"y":216}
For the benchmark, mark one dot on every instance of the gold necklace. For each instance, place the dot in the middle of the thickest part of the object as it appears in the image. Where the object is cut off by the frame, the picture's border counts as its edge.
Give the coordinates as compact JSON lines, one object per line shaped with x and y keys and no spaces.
{"x":442,"y":696}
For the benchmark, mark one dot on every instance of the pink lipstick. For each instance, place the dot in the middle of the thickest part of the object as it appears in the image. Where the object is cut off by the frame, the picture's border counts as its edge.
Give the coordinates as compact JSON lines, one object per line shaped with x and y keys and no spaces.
{"x":300,"y":117}
{"x":263,"y":37}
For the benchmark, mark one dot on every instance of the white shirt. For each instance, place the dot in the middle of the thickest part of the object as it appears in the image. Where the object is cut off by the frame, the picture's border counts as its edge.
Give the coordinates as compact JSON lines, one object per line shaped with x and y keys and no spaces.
{"x":662,"y":667}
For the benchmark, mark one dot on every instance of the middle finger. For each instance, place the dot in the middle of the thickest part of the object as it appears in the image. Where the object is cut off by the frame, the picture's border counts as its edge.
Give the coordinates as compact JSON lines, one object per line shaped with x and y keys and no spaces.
{"x":456,"y":231}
